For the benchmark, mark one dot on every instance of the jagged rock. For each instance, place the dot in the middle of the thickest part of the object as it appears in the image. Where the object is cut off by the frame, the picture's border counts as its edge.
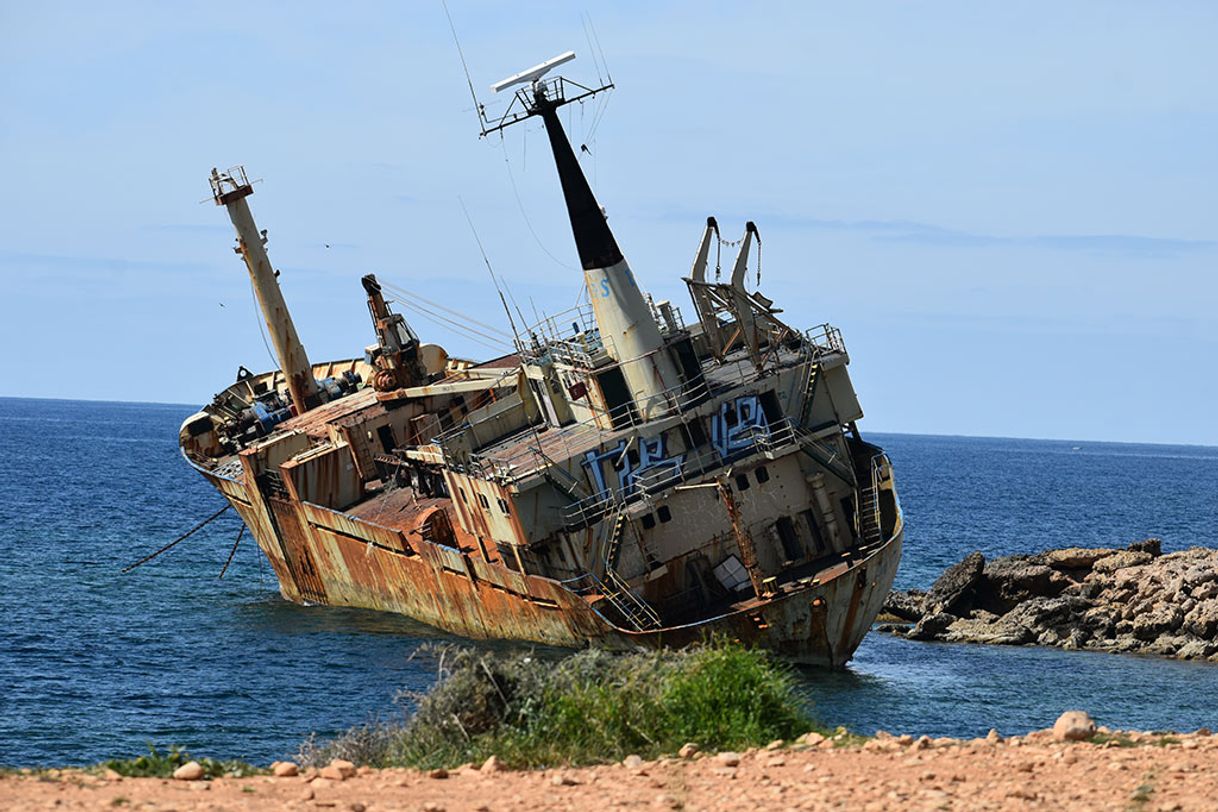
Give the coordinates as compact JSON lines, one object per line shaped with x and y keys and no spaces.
{"x":1009,"y":581}
{"x":954,"y":588}
{"x":1121,"y":560}
{"x":1152,"y":545}
{"x":1133,"y":600}
{"x":1153,"y":624}
{"x":1074,"y":558}
{"x":1202,"y":620}
{"x":971,"y":630}
{"x":1196,"y":650}
{"x":932,"y":627}
{"x":909,"y":605}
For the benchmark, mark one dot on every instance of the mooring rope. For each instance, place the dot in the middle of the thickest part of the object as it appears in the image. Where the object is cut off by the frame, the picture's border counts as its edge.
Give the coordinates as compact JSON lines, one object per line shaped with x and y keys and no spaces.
{"x":180,"y":538}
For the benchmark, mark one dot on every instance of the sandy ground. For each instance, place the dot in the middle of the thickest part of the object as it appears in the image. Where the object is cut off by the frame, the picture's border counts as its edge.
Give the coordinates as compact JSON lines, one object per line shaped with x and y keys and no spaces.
{"x":1034,"y":772}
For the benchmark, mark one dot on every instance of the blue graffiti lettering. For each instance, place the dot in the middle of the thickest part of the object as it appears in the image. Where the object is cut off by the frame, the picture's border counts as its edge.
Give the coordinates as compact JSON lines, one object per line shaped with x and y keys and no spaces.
{"x":655,"y":466}
{"x":730,"y":436}
{"x":592,"y":461}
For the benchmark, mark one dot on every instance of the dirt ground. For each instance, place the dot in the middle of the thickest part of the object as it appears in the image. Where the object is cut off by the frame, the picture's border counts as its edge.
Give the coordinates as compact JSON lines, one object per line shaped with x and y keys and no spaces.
{"x":1130,"y":772}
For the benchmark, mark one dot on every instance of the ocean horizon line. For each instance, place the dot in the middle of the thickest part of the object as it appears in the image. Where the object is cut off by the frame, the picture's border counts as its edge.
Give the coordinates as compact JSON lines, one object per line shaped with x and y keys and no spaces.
{"x":888,"y":432}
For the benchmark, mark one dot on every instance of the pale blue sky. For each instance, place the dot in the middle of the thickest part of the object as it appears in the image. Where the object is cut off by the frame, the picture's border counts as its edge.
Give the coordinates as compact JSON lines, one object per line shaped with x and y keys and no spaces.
{"x":1011,"y":209}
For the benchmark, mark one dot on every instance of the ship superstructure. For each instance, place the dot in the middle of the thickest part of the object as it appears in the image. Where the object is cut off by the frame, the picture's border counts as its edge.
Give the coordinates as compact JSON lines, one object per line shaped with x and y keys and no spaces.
{"x":621,"y":479}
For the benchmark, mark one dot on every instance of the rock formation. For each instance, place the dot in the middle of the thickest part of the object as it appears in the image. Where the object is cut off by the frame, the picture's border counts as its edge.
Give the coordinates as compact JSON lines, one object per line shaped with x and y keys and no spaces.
{"x":1124,"y":600}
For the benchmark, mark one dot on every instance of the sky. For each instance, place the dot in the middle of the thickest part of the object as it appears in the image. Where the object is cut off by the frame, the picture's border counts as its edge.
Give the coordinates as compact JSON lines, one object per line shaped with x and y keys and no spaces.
{"x":1010,"y":209}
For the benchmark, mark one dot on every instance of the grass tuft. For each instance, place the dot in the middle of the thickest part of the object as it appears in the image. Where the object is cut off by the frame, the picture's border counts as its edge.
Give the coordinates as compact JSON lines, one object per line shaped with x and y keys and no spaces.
{"x":591,"y":707}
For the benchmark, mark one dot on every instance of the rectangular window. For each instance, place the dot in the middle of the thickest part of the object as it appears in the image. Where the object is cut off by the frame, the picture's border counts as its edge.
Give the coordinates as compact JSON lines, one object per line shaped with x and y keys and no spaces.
{"x":762,"y":474}
{"x":482,"y":501}
{"x":649,"y":521}
{"x":742,"y":482}
{"x":664,"y":513}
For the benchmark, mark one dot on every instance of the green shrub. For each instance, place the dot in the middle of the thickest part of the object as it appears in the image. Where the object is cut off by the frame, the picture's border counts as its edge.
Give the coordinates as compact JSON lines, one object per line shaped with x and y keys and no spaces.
{"x":589,"y":707}
{"x":161,"y":765}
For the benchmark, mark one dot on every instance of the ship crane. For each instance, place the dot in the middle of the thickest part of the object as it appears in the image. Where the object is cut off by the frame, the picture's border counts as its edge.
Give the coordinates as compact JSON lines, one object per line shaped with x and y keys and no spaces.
{"x":230,"y":189}
{"x":396,"y":353}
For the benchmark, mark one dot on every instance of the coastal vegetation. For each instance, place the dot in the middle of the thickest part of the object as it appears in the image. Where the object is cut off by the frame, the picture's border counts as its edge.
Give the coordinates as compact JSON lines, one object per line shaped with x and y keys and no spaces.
{"x":163,"y":764}
{"x":590,"y":707}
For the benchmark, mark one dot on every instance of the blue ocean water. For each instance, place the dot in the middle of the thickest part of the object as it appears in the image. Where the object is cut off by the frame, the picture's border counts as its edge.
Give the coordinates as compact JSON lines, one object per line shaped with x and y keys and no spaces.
{"x":94,"y":663}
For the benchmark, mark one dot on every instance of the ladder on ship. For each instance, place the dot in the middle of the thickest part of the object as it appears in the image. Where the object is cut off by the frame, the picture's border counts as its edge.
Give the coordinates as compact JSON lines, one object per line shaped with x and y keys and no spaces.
{"x":870,"y":531}
{"x":637,"y":613}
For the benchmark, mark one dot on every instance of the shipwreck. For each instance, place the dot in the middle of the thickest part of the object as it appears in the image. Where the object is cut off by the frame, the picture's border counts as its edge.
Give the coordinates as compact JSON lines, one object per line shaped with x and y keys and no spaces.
{"x":621,"y":479}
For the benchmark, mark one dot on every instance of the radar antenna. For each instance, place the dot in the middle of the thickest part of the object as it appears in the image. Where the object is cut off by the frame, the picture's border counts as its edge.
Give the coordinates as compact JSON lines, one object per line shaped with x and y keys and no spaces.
{"x":526,"y":102}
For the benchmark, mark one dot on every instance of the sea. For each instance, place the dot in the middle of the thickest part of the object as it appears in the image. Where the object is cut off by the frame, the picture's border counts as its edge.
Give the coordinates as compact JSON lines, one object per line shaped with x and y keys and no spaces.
{"x":95,"y":663}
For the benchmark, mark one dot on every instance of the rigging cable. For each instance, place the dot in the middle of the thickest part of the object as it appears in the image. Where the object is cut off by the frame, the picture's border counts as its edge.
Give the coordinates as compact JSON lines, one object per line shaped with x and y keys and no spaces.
{"x":401,"y":291}
{"x":520,"y":204}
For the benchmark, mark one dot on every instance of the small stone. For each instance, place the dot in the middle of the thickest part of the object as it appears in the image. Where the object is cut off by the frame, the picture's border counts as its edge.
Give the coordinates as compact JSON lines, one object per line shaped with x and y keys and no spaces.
{"x":356,"y":806}
{"x":330,"y":773}
{"x":669,"y":802}
{"x":563,"y":780}
{"x":321,"y":782}
{"x":345,"y":767}
{"x":905,"y":740}
{"x":632,"y":762}
{"x":432,"y":806}
{"x":190,"y":771}
{"x":492,"y":765}
{"x":285,"y":769}
{"x":688,"y":750}
{"x":1073,"y":726}
{"x":777,"y":744}
{"x":728,"y":758}
{"x":811,"y":739}
{"x":438,"y":772}
{"x":307,"y":795}
{"x":112,"y":775}
{"x":993,"y":737}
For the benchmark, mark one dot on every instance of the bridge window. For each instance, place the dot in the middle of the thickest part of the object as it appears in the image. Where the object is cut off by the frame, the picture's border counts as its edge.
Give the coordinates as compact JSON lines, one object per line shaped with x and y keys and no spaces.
{"x":762,"y":474}
{"x":649,"y":521}
{"x":742,"y":482}
{"x":664,"y":513}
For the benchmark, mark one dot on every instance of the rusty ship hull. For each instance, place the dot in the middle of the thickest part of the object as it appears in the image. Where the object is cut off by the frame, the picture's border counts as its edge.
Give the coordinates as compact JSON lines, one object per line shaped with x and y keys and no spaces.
{"x":328,"y":558}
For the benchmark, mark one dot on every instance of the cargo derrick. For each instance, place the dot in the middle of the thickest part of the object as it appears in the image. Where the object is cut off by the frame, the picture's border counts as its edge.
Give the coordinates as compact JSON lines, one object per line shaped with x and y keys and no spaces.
{"x":621,"y":480}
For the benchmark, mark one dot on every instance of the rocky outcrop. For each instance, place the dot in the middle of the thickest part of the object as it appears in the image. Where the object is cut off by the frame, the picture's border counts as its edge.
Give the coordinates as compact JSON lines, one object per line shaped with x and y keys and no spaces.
{"x":1123,"y":600}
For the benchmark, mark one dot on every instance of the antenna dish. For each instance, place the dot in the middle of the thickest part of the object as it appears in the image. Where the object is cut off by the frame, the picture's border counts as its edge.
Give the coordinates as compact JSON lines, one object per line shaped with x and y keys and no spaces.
{"x":535,"y":72}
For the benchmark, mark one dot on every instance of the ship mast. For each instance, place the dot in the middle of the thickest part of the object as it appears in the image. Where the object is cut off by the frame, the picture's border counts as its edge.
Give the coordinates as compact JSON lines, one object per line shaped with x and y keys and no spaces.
{"x":230,"y":189}
{"x":628,"y":328}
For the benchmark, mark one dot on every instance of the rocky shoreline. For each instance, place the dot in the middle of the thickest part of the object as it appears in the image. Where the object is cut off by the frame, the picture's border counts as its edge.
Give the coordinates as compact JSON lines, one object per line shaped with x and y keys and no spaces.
{"x":1130,"y":600}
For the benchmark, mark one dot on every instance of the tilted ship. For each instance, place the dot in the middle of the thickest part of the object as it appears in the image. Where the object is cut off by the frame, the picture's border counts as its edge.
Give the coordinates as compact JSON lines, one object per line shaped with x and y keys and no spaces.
{"x":621,"y":480}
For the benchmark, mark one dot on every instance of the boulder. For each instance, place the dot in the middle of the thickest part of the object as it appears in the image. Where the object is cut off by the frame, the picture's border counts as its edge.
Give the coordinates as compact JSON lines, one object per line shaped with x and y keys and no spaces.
{"x":284,"y":769}
{"x":1009,"y":581}
{"x":906,"y":605}
{"x":1202,"y":620}
{"x":953,"y":591}
{"x":1163,"y":618}
{"x":1074,"y":558}
{"x":1153,"y":546}
{"x":190,"y":771}
{"x":1121,"y":560}
{"x":932,"y":627}
{"x":996,"y":633}
{"x":1074,"y":726}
